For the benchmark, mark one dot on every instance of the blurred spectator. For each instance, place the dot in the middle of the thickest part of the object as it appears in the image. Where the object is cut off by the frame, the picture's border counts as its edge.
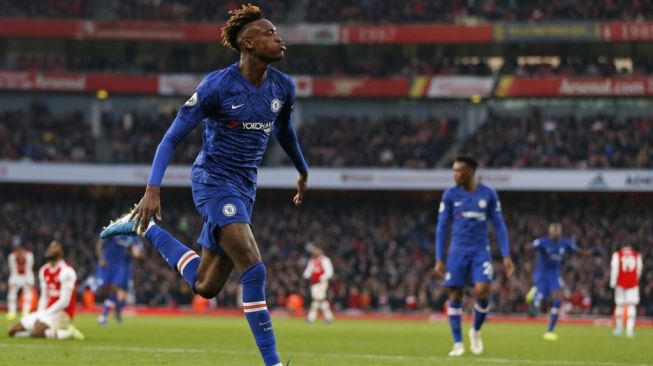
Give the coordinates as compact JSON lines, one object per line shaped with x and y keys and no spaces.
{"x":527,"y":139}
{"x":153,"y":10}
{"x":37,"y":134}
{"x":417,"y":11}
{"x":387,"y":142}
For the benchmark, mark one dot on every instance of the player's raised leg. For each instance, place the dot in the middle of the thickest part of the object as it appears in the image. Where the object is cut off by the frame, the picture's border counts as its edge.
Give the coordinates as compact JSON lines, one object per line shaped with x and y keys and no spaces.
{"x":238,"y":241}
{"x":205,"y":275}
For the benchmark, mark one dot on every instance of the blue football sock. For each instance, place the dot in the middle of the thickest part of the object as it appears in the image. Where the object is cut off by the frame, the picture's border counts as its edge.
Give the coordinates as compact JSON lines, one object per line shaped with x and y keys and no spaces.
{"x":555,"y":308}
{"x":109,"y":303}
{"x":257,"y":314}
{"x":481,"y":308}
{"x":455,"y":312}
{"x":120,"y":304}
{"x":178,"y":256}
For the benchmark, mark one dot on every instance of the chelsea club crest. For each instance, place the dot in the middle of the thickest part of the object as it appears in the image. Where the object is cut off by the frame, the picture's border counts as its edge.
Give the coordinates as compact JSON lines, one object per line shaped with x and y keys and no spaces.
{"x":275,"y":106}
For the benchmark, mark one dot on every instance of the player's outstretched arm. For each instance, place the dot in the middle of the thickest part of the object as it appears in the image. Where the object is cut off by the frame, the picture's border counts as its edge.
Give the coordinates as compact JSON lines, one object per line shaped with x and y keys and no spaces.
{"x":188,"y":117}
{"x":149,"y":205}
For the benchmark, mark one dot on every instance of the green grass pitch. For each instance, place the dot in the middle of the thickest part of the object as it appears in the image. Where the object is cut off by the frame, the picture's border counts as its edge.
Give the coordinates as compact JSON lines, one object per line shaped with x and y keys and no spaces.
{"x":204,"y":340}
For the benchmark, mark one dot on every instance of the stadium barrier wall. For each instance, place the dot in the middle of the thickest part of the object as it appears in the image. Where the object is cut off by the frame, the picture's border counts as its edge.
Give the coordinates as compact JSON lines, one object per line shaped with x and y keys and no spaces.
{"x":306,"y":86}
{"x":349,"y":179}
{"x":625,"y":86}
{"x":436,"y":87}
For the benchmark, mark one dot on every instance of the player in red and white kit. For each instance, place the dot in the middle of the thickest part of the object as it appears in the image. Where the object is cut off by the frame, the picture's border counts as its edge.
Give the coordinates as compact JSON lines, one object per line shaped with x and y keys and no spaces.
{"x":625,"y":271}
{"x":21,"y":278}
{"x":319,"y":270}
{"x":56,"y":310}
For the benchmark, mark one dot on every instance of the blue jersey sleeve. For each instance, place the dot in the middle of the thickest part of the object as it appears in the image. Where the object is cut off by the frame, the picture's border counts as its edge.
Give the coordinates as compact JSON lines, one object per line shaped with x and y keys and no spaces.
{"x":499,"y":224}
{"x":571,"y":246}
{"x":444,"y":216}
{"x":285,"y":133}
{"x":188,"y":117}
{"x":537,"y":244}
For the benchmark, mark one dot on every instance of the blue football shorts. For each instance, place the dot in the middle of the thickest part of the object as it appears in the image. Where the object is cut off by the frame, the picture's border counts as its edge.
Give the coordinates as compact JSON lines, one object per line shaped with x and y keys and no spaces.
{"x":546,"y":284}
{"x":465,"y":268}
{"x":219,"y":205}
{"x":113,"y":275}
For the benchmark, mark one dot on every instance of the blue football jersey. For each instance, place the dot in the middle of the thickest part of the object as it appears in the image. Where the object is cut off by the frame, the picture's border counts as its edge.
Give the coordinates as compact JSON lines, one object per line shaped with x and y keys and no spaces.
{"x":469,"y":213}
{"x":550,"y":254}
{"x":116,"y":249}
{"x":238,"y":119}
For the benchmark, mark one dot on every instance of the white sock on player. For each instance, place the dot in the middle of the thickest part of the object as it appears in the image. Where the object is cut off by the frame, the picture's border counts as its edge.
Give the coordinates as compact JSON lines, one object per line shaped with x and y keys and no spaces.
{"x":326,"y":310}
{"x":22,"y":334}
{"x":27,"y":301}
{"x":58,"y":333}
{"x":631,"y":315}
{"x":12,"y":299}
{"x":619,"y":318}
{"x":312,"y":313}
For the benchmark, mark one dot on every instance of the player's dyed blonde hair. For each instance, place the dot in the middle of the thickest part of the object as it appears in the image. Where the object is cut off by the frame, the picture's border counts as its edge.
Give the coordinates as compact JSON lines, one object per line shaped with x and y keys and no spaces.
{"x":238,"y":19}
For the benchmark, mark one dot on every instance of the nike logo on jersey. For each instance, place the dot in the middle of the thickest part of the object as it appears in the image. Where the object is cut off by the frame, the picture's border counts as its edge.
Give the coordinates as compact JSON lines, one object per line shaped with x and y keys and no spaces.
{"x":233,"y":106}
{"x":456,"y":204}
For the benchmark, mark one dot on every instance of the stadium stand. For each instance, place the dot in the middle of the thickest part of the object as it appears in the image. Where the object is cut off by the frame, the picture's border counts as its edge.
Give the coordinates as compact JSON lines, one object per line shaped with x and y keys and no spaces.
{"x":319,"y":11}
{"x":533,"y":140}
{"x":528,"y":139}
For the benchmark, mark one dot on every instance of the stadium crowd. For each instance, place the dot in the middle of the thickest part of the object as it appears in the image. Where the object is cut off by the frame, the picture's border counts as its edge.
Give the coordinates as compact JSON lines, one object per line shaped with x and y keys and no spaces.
{"x":382,"y":249}
{"x":416,"y":11}
{"x":149,"y":10}
{"x":37,"y":134}
{"x":327,"y":141}
{"x":528,"y":139}
{"x":334,"y":11}
{"x":533,"y":140}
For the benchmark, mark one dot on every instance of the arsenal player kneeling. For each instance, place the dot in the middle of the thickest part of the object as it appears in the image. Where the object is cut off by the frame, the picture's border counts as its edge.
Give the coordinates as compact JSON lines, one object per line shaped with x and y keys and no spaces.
{"x":56,"y":310}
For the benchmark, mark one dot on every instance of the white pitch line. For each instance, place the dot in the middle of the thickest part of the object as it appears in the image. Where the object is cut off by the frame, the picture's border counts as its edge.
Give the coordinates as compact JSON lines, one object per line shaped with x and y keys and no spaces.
{"x":369,"y":356}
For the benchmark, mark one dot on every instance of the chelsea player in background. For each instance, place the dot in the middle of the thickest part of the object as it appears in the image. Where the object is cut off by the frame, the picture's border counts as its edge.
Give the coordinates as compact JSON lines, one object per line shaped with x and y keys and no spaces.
{"x":468,"y":206}
{"x":551,"y":249}
{"x":239,"y":106}
{"x":114,"y":272}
